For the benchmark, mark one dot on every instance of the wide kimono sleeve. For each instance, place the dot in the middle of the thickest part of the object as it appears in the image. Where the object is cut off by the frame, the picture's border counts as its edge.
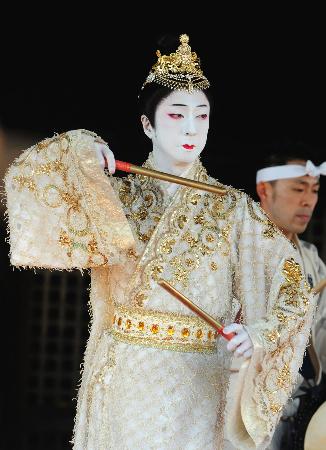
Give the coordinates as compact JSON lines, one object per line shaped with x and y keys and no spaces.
{"x":277,"y":310}
{"x":62,"y":210}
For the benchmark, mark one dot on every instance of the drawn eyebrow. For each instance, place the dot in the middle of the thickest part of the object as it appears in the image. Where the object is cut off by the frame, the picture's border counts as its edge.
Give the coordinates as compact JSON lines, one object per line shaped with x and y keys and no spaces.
{"x":181,"y":104}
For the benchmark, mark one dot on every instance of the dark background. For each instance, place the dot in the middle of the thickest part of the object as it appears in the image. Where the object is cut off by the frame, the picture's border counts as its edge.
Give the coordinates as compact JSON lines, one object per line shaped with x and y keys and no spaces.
{"x":267,"y":75}
{"x":59,"y":73}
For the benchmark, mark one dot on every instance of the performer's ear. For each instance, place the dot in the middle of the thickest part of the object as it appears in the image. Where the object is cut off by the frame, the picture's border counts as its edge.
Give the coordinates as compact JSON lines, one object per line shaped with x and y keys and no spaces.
{"x":147,"y":127}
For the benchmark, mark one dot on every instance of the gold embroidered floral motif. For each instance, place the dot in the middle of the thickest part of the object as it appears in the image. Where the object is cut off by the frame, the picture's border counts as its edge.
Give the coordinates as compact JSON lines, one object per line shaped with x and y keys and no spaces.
{"x":92,"y":246}
{"x":226,"y":231}
{"x":125,"y":193}
{"x":275,"y":408}
{"x":199,"y":219}
{"x":293,"y":297}
{"x":64,"y":239}
{"x":273,"y":336}
{"x":194,"y":199}
{"x":192,"y":241}
{"x":213,"y":266}
{"x":132,"y":254}
{"x":269,"y":231}
{"x":140,"y":298}
{"x":143,"y":204}
{"x":290,"y":313}
{"x":223,"y":206}
{"x":283,"y":379}
{"x":292,"y":271}
{"x":156,"y":272}
{"x":52,"y":166}
{"x":52,"y":161}
{"x":189,"y":222}
{"x":182,"y":220}
{"x":167,"y":245}
{"x":210,"y":237}
{"x":72,"y":200}
{"x":25,"y":182}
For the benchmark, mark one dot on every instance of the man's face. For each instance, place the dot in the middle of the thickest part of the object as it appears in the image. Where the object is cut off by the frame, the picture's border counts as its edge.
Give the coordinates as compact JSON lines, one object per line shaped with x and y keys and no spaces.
{"x":291,"y":202}
{"x":181,"y":126}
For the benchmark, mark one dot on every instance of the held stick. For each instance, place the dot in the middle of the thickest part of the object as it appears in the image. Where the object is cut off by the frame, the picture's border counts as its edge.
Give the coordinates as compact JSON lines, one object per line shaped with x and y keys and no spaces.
{"x":128,"y":167}
{"x":202,"y":314}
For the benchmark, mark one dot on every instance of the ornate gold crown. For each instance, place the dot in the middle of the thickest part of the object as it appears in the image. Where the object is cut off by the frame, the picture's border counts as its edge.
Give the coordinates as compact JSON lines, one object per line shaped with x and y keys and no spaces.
{"x":180,"y":70}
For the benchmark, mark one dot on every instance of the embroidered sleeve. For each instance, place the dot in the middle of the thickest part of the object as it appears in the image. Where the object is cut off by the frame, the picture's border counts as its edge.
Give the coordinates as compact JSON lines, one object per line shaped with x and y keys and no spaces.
{"x":278,"y":308}
{"x":281,"y":340}
{"x":62,"y":211}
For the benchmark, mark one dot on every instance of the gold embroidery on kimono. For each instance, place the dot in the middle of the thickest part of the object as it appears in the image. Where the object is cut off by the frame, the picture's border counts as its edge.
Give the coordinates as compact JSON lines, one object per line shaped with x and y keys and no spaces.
{"x":149,"y":361}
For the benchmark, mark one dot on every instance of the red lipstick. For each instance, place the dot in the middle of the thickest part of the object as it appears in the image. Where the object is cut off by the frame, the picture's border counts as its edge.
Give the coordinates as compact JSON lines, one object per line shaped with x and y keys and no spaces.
{"x":188,"y":147}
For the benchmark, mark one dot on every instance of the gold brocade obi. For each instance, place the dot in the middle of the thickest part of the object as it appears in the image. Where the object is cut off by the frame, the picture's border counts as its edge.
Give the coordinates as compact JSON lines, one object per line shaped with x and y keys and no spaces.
{"x":165,"y":330}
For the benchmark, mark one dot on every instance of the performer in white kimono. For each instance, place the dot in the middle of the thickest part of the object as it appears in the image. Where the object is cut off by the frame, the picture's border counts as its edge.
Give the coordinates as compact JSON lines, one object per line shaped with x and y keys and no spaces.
{"x":155,"y":375}
{"x":288,"y":188}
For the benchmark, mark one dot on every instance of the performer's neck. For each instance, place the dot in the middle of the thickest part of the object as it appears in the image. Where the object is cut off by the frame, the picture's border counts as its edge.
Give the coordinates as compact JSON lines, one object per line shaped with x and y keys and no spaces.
{"x":169,"y":165}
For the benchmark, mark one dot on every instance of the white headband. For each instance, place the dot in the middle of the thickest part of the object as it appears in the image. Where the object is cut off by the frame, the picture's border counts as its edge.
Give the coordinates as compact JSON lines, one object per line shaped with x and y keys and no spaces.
{"x":290,"y":171}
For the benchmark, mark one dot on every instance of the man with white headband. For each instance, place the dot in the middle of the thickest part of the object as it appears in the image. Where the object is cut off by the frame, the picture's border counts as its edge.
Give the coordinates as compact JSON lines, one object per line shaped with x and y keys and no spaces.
{"x":288,"y":191}
{"x":290,"y":170}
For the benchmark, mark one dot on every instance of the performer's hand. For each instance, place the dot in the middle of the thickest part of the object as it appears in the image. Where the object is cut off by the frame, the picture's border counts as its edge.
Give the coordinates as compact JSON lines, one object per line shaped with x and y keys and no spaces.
{"x":240,"y":344}
{"x":105,"y":157}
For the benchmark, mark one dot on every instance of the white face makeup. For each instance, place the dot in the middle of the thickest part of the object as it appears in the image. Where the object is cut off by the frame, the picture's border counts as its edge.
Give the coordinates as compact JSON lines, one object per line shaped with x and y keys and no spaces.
{"x":181,"y":126}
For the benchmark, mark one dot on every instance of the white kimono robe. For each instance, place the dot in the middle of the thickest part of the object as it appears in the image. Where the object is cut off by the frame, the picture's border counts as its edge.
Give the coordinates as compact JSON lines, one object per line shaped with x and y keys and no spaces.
{"x":315,"y":271}
{"x":155,"y":376}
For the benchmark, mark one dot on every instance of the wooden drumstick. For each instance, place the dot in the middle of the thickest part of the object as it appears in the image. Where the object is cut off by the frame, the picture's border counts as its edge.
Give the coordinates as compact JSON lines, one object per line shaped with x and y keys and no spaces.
{"x":128,"y":167}
{"x":198,"y":311}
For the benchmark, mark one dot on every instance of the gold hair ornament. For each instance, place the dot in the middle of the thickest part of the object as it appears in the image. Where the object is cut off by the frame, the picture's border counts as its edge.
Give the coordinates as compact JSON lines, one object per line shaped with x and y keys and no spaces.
{"x":180,"y":70}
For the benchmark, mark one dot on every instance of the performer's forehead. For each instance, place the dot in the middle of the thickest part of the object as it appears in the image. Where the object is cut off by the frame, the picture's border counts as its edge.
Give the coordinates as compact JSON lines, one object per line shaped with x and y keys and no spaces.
{"x":183,"y":98}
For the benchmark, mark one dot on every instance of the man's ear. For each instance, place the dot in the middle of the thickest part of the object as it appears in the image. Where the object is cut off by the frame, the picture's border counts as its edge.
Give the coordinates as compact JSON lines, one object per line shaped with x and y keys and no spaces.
{"x":147,"y":127}
{"x":263,"y":190}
